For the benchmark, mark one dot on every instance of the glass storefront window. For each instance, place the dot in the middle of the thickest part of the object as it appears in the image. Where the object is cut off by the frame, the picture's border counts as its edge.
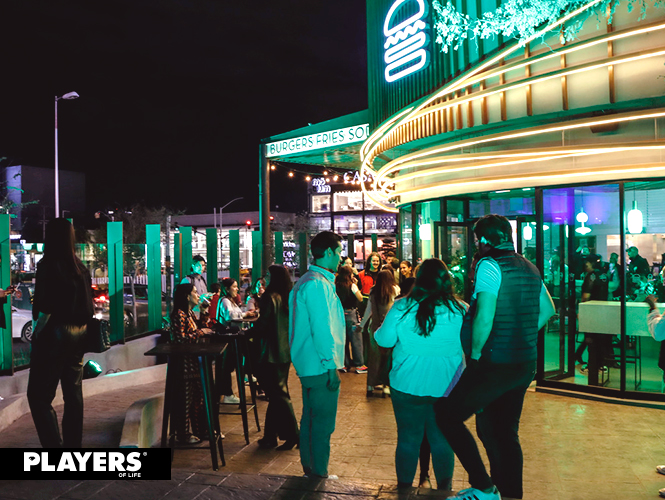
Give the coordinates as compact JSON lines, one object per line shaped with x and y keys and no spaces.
{"x":406,"y":233}
{"x":429,"y":213}
{"x":348,"y":224}
{"x":348,"y":201}
{"x":320,"y":203}
{"x":320,"y":224}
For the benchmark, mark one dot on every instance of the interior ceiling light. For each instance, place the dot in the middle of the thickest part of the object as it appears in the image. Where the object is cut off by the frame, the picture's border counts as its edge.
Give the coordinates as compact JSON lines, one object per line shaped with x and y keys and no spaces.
{"x":635,"y":220}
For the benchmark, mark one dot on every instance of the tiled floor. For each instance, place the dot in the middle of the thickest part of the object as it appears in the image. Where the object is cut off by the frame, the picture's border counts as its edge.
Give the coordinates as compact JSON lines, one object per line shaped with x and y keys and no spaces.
{"x":573,"y":449}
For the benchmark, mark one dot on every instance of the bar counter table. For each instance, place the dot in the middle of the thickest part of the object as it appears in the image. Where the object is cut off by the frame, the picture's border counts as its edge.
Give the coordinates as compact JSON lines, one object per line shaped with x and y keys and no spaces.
{"x":174,"y":391}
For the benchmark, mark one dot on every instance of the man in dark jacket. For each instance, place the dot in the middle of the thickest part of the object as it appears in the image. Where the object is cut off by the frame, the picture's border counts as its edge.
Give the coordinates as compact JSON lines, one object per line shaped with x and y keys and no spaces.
{"x":510,"y":304}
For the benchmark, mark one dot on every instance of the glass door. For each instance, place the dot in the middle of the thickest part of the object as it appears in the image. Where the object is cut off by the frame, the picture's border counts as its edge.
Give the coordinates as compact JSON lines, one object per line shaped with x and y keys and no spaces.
{"x":456,"y":248}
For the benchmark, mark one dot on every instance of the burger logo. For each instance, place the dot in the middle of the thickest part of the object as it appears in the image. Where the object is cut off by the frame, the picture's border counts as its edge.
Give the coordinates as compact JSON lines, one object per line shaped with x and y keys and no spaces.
{"x":406,"y":41}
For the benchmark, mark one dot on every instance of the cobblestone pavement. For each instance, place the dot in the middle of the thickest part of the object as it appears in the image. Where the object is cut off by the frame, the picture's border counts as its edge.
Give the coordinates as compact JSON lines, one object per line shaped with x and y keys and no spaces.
{"x":573,"y":449}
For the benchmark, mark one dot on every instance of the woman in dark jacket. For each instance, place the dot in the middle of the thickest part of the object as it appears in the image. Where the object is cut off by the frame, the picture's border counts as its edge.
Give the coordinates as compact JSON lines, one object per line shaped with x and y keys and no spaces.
{"x":62,"y":307}
{"x":272,"y":330}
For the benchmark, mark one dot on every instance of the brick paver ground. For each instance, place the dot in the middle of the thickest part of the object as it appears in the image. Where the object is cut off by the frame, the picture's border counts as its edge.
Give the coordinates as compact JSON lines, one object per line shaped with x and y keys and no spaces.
{"x":574,"y":449}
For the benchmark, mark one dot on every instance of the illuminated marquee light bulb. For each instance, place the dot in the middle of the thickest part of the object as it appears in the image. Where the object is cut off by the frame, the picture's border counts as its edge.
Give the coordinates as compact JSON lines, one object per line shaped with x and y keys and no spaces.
{"x":635,"y":220}
{"x":405,"y":42}
{"x":308,"y":178}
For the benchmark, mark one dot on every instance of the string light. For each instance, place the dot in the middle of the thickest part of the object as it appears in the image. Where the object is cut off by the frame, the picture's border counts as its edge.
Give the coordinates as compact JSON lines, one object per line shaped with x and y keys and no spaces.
{"x":291,"y":174}
{"x":328,"y":175}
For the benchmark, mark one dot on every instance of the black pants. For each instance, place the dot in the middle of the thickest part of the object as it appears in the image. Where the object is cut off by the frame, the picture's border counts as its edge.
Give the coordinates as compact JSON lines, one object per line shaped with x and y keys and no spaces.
{"x":280,"y":419}
{"x":56,"y":357}
{"x":224,"y":367}
{"x":497,"y":392}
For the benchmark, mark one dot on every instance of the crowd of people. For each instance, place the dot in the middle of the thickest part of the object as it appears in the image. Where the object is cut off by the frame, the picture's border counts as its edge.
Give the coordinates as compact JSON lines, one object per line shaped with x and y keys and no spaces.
{"x":440,"y":359}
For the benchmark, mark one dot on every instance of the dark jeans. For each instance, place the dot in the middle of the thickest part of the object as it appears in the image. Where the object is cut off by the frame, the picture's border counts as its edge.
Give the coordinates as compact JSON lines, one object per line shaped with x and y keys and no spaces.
{"x":354,"y":338}
{"x":56,"y":357}
{"x":497,"y":392}
{"x":415,"y":418}
{"x":280,"y":419}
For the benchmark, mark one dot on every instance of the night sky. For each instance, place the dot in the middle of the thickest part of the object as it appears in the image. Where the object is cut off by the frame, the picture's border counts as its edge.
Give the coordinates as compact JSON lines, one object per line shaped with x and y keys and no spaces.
{"x":175,"y":95}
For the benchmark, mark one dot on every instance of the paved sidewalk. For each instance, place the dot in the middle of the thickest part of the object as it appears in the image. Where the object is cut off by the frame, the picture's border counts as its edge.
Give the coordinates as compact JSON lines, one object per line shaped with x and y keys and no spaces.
{"x":574,"y":449}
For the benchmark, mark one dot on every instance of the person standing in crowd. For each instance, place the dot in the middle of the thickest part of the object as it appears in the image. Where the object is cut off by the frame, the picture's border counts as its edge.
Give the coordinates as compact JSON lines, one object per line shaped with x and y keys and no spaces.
{"x":215,"y":290}
{"x":406,"y":276}
{"x":614,"y":276}
{"x":254,"y":294}
{"x":424,"y":330}
{"x":638,"y":264}
{"x":348,"y":261}
{"x":350,"y":296}
{"x":196,"y":278}
{"x":316,"y":339}
{"x":381,"y":299}
{"x":367,"y":276}
{"x":61,"y":309}
{"x":656,"y":326}
{"x":509,"y":305}
{"x":184,"y":330}
{"x":228,"y":310}
{"x":272,"y":331}
{"x":594,"y":288}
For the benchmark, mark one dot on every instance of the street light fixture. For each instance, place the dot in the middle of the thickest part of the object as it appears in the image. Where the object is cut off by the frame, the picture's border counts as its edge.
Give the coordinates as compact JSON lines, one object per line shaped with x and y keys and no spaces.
{"x":68,"y":96}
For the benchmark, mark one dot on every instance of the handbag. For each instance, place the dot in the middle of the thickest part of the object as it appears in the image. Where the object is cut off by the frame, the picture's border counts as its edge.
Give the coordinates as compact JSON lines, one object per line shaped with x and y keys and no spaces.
{"x":98,"y":336}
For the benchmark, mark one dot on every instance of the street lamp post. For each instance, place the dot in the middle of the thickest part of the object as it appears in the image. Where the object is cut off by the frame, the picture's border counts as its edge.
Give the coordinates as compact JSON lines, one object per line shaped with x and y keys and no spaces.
{"x":68,"y":96}
{"x":221,"y":223}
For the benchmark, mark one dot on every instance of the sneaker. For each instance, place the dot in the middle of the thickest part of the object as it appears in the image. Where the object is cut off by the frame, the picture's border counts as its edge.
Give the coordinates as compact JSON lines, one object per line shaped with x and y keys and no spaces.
{"x":476,"y":494}
{"x":344,"y":369}
{"x":231,"y":399}
{"x":361,"y":369}
{"x":660,"y":469}
{"x":661,"y":492}
{"x":582,"y":368}
{"x":190,"y":440}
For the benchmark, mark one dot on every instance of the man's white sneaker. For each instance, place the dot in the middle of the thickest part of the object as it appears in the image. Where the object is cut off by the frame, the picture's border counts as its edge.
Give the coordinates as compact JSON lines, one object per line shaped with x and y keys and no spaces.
{"x":660,"y":469}
{"x":476,"y":494}
{"x":231,"y":399}
{"x":661,"y":492}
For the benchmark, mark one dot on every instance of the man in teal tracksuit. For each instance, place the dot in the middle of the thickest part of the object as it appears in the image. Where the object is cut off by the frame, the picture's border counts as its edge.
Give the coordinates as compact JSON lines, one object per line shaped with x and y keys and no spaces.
{"x":317,"y":333}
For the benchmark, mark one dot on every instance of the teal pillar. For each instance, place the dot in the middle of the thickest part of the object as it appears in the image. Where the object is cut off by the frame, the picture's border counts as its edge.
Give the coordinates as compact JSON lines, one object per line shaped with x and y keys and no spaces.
{"x":116,"y":284}
{"x":350,"y":247}
{"x":234,"y":254}
{"x":279,"y":248}
{"x":177,"y":260}
{"x":6,"y":353}
{"x":257,"y":256}
{"x":186,"y":235}
{"x":375,"y":243}
{"x":303,"y":248}
{"x":211,"y":256}
{"x":154,"y":265}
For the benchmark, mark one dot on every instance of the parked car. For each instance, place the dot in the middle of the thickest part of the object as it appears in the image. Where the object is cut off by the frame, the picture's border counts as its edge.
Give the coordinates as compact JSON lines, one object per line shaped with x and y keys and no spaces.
{"x":22,"y":324}
{"x":101,"y":303}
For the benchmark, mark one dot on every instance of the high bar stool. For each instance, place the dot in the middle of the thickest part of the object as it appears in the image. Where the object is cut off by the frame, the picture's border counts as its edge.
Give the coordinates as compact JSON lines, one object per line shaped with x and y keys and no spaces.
{"x":238,"y":338}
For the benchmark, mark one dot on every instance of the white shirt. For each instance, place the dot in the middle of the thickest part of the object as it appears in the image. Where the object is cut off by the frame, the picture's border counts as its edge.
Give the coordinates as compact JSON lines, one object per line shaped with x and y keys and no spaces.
{"x":488,"y":277}
{"x":656,"y":325}
{"x":227,"y":310}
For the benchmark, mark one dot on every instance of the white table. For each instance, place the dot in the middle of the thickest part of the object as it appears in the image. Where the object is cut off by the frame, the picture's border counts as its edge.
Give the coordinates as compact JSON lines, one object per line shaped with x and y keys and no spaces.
{"x":597,"y":316}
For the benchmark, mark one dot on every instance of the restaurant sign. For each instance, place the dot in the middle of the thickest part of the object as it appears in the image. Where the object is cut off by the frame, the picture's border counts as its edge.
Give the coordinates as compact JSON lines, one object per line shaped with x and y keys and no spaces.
{"x":348,"y":135}
{"x":406,"y":42}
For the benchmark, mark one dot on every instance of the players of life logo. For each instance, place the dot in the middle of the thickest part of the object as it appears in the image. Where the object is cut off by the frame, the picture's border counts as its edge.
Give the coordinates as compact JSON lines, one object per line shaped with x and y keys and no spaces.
{"x":406,"y":42}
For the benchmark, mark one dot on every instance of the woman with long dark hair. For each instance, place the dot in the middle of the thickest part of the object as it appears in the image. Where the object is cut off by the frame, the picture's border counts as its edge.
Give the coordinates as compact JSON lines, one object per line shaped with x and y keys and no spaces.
{"x":62,"y":307}
{"x":424,"y":330}
{"x":367,"y":277}
{"x":350,"y":296}
{"x":185,"y":330}
{"x":272,"y":331}
{"x":228,"y":310}
{"x":381,"y":298}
